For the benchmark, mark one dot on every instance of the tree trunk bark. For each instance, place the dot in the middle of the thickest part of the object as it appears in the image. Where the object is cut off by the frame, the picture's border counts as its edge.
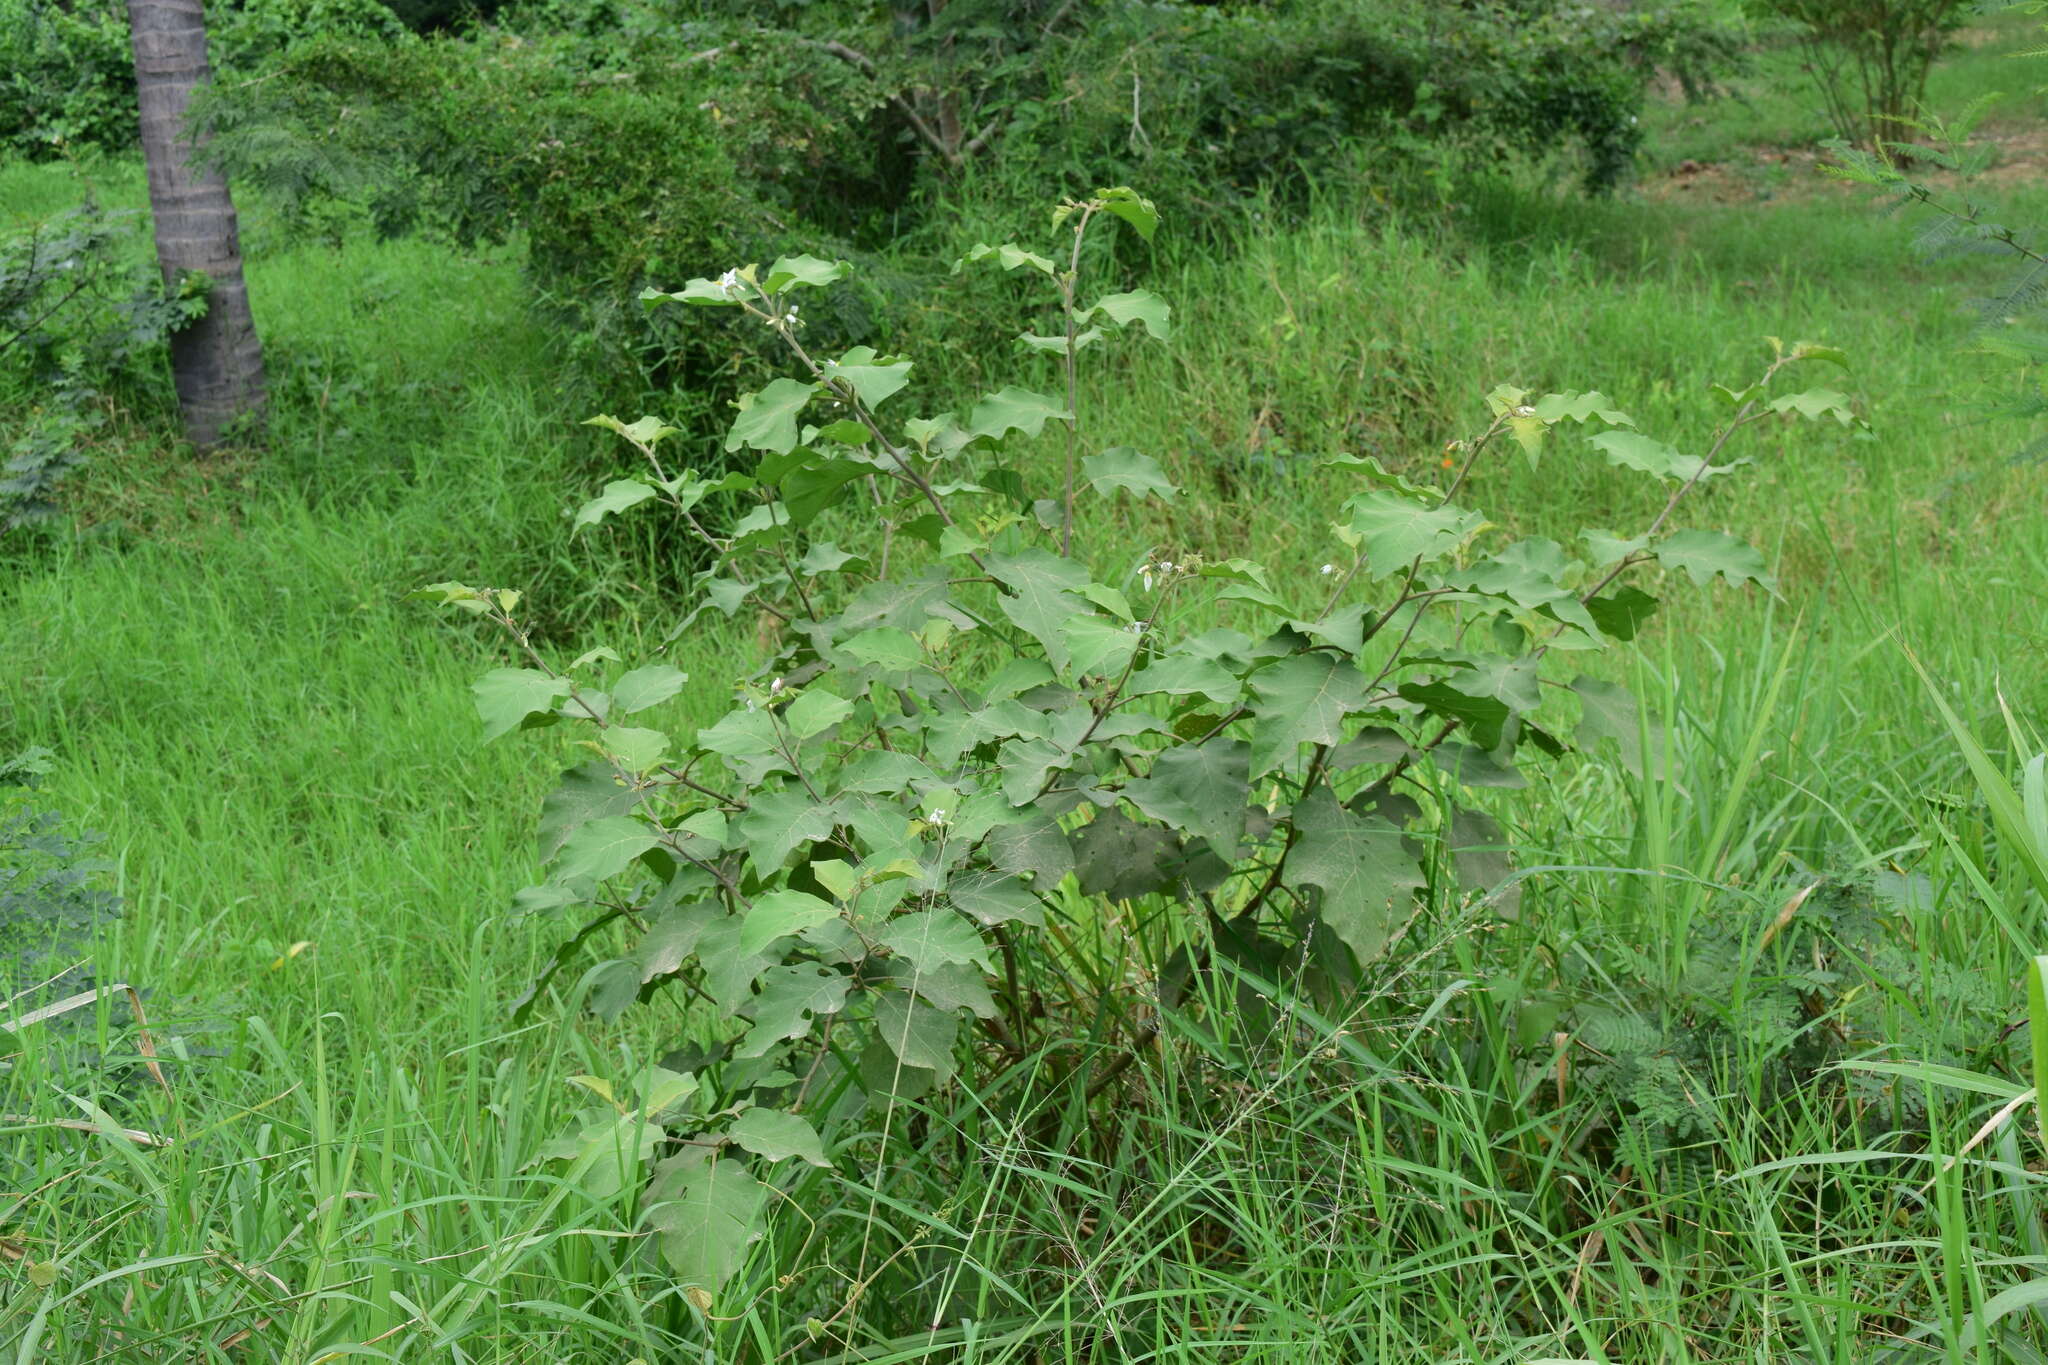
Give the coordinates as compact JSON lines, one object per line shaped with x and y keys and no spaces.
{"x":216,"y":360}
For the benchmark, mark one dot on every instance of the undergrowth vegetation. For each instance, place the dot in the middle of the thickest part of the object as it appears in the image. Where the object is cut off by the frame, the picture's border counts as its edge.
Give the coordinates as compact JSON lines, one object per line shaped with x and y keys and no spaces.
{"x":1705,"y":1040}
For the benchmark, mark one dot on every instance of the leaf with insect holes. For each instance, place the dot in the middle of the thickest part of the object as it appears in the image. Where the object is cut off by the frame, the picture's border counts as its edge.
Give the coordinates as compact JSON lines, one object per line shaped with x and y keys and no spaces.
{"x":792,"y":995}
{"x":1141,"y":306}
{"x":507,"y":697}
{"x":1359,"y":865}
{"x":705,"y":1215}
{"x":1393,"y":531}
{"x":604,"y":848}
{"x":767,"y":419}
{"x":775,"y":1136}
{"x":1121,"y":467}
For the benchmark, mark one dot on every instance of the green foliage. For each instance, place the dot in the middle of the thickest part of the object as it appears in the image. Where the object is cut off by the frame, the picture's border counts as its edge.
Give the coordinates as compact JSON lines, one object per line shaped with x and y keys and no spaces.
{"x":1869,"y":59}
{"x":49,"y":893}
{"x":80,"y":318}
{"x":69,"y":73}
{"x":977,"y":729}
{"x":1790,"y":1000}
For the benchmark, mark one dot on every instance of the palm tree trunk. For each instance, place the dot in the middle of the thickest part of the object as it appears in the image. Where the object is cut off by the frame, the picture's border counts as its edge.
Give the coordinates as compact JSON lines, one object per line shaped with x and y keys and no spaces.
{"x":216,"y":360}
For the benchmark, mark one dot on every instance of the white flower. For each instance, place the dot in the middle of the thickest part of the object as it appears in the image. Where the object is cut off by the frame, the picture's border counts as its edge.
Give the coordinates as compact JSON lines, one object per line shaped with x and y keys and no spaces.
{"x":1137,"y":627}
{"x":1327,"y":568}
{"x":729,"y":283}
{"x":1166,"y":566}
{"x":774,"y":687}
{"x":937,"y":817}
{"x":1525,"y":411}
{"x":1145,"y":577}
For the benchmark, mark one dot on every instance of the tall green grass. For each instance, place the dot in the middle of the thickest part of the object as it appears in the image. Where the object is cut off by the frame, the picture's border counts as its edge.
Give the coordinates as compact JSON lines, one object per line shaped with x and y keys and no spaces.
{"x":318,"y":859}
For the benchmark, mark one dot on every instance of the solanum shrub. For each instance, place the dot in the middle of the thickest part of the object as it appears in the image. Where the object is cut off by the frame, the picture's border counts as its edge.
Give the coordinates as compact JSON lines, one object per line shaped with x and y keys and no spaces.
{"x":988,"y":740}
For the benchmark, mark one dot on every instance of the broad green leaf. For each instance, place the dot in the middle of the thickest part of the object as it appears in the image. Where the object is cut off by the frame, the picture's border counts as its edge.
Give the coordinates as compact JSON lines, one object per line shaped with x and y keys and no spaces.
{"x":836,"y":876}
{"x":1057,"y":345}
{"x":1580,"y":407}
{"x":1484,"y":717}
{"x":887,"y":647}
{"x":792,"y":272}
{"x":1393,"y":531}
{"x":774,"y":1135}
{"x":872,"y":377}
{"x":1633,"y":450}
{"x":1610,"y":712}
{"x":618,"y":495}
{"x":1008,"y":255}
{"x":604,"y":848}
{"x":994,"y":898}
{"x":1013,"y":409}
{"x":705,"y":1218}
{"x":1359,"y":865}
{"x":776,"y":914}
{"x":1098,"y":646}
{"x":767,"y":419}
{"x":1035,"y":847}
{"x":586,"y":793}
{"x":1041,"y":598}
{"x":699,"y":292}
{"x":610,"y":1150}
{"x":1117,"y":857}
{"x":1303,"y":699}
{"x":1121,"y":467}
{"x":636,"y":749}
{"x":791,"y":998}
{"x":646,"y":686}
{"x":1621,"y":613}
{"x":814,"y":486}
{"x":1702,"y":554}
{"x":505,"y":697}
{"x":935,"y":938}
{"x":1608,"y":548}
{"x":918,"y":1034}
{"x":815,"y":712}
{"x":645,"y":433}
{"x":1815,"y":404}
{"x":1133,"y":208}
{"x":1202,"y":790}
{"x":1141,"y":306}
{"x":1182,"y":675}
{"x":1484,"y":860}
{"x":1531,"y":573}
{"x":825,"y":557}
{"x":776,"y":822}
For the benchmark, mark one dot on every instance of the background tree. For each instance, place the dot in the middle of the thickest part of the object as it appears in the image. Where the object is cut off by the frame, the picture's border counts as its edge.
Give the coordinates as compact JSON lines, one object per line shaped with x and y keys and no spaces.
{"x":1870,"y":58}
{"x":216,"y":360}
